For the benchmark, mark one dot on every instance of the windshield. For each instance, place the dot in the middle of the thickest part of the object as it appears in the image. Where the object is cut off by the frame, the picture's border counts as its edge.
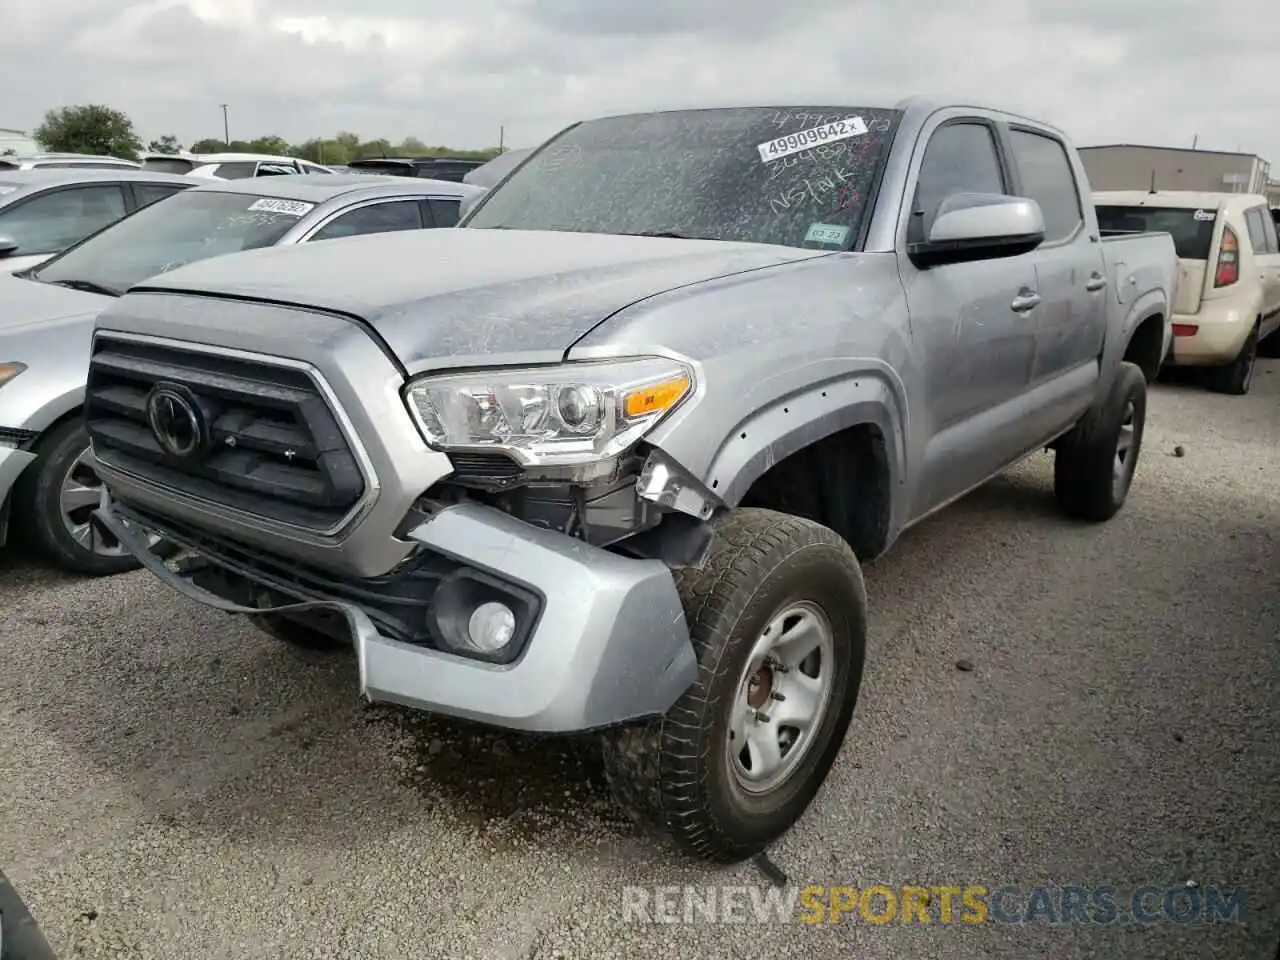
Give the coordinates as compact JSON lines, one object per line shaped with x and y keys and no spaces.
{"x":798,"y":177}
{"x":181,"y":229}
{"x":1192,"y":229}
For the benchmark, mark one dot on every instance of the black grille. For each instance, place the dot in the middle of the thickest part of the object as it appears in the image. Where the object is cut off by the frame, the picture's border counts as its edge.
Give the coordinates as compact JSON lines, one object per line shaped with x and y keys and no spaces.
{"x":16,"y":438}
{"x":489,"y":470}
{"x":274,"y":447}
{"x":397,"y":603}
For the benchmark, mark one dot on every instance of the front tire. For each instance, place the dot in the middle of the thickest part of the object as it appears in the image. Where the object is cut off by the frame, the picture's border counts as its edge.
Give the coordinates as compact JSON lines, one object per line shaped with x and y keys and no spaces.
{"x":1094,"y":464}
{"x":778,"y":619}
{"x":53,"y":500}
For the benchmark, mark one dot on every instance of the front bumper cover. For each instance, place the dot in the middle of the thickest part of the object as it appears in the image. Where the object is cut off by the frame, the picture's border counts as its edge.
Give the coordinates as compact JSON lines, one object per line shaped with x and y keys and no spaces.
{"x":611,"y":644}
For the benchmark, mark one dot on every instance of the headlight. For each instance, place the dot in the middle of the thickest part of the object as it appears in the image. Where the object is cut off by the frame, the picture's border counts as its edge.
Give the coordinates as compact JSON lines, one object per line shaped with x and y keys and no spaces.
{"x":568,"y":414}
{"x":10,"y":370}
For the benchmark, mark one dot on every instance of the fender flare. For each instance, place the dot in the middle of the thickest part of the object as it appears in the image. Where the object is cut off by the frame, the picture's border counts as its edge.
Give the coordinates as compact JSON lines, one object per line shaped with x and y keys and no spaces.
{"x":790,"y":423}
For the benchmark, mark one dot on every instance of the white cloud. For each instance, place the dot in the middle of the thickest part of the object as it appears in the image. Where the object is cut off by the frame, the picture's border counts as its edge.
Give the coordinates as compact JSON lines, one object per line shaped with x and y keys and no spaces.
{"x":1161,"y":71}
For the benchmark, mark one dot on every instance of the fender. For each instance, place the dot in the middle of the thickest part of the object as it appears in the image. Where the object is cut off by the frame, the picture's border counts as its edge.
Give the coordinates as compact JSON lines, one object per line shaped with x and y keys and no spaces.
{"x":793,"y":421}
{"x":1149,"y":304}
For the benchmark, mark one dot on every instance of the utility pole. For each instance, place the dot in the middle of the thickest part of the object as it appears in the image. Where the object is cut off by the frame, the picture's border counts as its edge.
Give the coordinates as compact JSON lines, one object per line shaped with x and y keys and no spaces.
{"x":1194,"y":141}
{"x":502,"y":130}
{"x":226,"y":130}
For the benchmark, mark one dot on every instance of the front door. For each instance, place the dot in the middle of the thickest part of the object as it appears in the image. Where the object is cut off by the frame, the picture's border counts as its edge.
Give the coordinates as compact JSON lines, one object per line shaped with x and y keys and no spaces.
{"x":972,"y":327}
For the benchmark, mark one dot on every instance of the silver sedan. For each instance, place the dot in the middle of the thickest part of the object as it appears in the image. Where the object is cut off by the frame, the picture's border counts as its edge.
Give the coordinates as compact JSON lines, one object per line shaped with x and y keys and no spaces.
{"x":47,"y":484}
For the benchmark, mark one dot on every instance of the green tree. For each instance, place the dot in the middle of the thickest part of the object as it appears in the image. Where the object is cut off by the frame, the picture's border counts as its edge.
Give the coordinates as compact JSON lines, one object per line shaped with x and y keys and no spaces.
{"x":375,"y":148}
{"x":89,"y":128}
{"x":166,"y":144}
{"x":208,"y":145}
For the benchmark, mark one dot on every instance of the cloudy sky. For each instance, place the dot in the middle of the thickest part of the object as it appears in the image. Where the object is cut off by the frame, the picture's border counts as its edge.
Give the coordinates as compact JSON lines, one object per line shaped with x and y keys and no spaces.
{"x":453,"y":71}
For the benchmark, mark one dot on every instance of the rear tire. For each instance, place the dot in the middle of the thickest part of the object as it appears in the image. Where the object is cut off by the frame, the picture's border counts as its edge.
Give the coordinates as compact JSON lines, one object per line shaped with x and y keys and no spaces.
{"x":774,"y":587}
{"x":53,"y":499}
{"x":1236,"y":377}
{"x":1094,"y":464}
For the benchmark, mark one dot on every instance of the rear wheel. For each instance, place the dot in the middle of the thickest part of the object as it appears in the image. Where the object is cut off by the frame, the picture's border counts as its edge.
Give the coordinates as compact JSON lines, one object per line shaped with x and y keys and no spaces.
{"x":54,"y":500}
{"x":1094,"y":464}
{"x":778,"y":620}
{"x":1237,"y":376}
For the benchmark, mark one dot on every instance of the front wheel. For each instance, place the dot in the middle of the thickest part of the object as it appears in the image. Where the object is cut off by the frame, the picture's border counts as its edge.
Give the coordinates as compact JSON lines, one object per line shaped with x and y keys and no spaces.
{"x":778,"y":619}
{"x":54,"y":499}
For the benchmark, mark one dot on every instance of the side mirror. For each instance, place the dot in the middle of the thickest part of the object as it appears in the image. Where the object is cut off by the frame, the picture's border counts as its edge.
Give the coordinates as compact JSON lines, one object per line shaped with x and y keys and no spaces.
{"x":980,"y":226}
{"x":7,"y":245}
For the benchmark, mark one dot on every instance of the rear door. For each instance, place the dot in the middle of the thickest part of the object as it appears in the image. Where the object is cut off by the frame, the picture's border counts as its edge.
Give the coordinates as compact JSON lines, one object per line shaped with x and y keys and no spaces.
{"x":1266,"y":258}
{"x":1071,"y":323}
{"x":1192,"y":229}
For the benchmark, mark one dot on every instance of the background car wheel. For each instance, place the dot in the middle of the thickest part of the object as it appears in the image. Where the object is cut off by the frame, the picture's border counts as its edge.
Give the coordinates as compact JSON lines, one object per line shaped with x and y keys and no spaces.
{"x":778,"y":620}
{"x":1094,"y":464}
{"x":53,"y":501}
{"x":1237,"y":377}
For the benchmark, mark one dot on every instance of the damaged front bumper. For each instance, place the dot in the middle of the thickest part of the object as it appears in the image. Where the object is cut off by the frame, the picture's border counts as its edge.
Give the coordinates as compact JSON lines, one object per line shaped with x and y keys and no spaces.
{"x":603,"y":642}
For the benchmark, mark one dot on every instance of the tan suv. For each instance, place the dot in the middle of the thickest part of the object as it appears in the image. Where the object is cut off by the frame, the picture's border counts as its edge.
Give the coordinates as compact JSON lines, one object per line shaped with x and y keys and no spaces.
{"x":1227,"y":297}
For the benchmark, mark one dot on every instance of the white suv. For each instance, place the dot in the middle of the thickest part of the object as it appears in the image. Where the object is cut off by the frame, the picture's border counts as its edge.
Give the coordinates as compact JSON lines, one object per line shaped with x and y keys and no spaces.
{"x":1227,"y":297}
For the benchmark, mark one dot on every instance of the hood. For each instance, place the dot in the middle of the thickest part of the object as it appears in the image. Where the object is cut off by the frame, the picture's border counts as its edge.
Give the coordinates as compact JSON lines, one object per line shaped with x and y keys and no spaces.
{"x":452,"y":293}
{"x":25,"y":303}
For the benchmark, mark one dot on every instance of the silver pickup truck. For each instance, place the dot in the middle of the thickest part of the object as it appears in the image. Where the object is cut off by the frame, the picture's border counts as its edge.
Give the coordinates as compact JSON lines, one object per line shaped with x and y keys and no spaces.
{"x":607,"y":456}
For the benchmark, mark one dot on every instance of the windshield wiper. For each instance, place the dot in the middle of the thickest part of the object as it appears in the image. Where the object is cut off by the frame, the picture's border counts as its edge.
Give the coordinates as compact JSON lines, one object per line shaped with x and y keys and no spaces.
{"x":666,"y":233}
{"x":88,"y":286}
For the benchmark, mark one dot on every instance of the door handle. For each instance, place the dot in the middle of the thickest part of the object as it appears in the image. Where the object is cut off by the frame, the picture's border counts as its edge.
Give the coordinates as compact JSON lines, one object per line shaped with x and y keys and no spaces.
{"x":1024,"y":302}
{"x":1095,"y":283}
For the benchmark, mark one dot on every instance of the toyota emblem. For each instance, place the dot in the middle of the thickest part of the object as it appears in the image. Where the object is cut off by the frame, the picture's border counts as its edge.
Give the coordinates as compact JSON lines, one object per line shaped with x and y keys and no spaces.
{"x":176,"y":421}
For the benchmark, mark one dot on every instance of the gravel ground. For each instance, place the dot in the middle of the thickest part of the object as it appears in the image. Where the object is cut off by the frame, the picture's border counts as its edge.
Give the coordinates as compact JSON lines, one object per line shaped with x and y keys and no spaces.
{"x":176,"y":785}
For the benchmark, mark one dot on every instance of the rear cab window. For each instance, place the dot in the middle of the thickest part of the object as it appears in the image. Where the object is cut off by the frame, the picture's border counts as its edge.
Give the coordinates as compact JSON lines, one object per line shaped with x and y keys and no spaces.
{"x":1192,"y":228}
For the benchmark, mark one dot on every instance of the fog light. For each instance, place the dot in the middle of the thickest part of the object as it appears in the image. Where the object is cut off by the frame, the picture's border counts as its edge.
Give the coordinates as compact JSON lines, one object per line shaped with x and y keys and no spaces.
{"x":491,"y":627}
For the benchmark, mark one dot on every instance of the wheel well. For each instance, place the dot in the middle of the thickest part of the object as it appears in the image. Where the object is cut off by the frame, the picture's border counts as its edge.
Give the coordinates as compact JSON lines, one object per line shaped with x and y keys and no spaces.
{"x":1146,"y":346}
{"x":841,"y":481}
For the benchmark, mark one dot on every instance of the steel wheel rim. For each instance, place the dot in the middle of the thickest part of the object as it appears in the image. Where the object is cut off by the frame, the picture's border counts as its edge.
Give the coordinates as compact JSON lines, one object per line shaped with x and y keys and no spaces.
{"x":79,"y":495}
{"x":782,"y":697}
{"x":1122,"y":463}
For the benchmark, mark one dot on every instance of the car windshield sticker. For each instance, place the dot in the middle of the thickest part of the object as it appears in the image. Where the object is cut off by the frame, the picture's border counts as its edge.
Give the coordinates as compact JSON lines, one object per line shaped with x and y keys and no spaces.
{"x":1205,"y":215}
{"x":785,"y":146}
{"x":827,"y":233}
{"x":294,"y":208}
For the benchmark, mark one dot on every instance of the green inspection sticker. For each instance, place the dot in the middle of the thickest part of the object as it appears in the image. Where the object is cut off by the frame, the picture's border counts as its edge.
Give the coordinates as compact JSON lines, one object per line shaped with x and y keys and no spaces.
{"x":826,"y":233}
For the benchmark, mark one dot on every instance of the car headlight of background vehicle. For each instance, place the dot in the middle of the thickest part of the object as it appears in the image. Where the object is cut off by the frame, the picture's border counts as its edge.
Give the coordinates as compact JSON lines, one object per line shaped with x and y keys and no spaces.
{"x":563,"y":415}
